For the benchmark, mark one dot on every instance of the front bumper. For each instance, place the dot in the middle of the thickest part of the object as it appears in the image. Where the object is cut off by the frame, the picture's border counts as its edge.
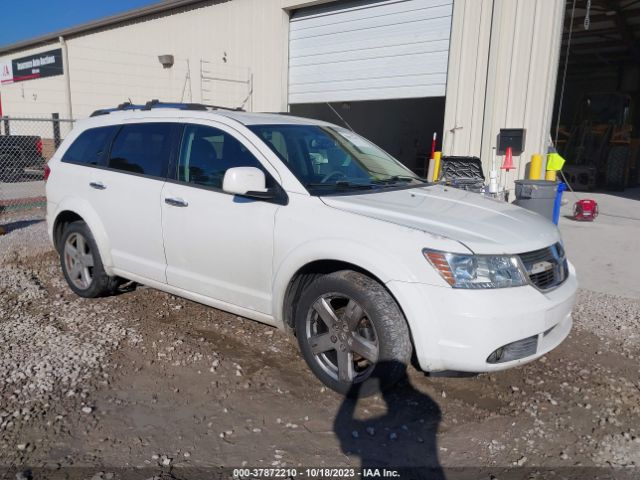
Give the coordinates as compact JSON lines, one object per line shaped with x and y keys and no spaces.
{"x":456,"y":329}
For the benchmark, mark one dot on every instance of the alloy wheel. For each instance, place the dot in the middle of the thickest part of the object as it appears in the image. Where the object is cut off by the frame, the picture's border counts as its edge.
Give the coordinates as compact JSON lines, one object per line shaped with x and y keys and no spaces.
{"x":342,"y":338}
{"x":78,"y":260}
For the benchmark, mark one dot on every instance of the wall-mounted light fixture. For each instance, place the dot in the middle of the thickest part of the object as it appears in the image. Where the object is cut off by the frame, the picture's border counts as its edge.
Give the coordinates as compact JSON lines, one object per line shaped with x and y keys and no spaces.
{"x":166,"y":60}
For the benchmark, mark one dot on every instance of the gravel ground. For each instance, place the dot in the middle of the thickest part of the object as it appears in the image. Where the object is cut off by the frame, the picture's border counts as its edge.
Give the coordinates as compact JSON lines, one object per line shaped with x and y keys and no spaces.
{"x":145,"y":379}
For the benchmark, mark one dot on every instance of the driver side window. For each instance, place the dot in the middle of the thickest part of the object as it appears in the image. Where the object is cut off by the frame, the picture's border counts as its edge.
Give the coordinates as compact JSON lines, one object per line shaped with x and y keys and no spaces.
{"x":207,"y":153}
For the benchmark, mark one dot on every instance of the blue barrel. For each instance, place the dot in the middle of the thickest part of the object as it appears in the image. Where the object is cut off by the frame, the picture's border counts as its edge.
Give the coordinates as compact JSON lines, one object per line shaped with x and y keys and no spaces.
{"x":558,"y":202}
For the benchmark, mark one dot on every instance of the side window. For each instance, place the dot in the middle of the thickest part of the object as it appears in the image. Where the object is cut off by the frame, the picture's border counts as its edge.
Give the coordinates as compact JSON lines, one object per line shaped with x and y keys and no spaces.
{"x":142,"y":148}
{"x":207,"y":153}
{"x":90,"y":146}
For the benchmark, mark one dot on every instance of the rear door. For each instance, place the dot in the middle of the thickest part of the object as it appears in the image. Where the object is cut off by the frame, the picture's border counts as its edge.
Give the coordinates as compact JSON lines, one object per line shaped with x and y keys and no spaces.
{"x":217,"y":244}
{"x":79,"y":163}
{"x":126,"y":195}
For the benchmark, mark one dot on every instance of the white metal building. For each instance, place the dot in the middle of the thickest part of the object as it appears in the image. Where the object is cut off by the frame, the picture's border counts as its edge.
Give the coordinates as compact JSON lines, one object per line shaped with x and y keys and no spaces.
{"x":395,"y":70}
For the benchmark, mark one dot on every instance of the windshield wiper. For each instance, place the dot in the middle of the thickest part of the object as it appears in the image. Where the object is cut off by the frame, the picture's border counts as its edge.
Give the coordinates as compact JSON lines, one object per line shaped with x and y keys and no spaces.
{"x":397,"y":179}
{"x":341,"y":185}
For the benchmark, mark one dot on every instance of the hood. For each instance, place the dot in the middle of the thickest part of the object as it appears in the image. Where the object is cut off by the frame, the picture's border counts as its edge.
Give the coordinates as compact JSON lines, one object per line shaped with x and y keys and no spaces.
{"x":482,"y":224}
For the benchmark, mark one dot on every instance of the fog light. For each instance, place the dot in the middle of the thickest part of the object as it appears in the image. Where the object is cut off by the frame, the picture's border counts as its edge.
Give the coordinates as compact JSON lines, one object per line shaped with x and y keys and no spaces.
{"x":496,"y":355}
{"x":515,"y":350}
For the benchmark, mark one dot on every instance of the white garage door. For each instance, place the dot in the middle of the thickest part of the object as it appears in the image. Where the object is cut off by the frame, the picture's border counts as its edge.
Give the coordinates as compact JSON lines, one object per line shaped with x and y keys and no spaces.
{"x":369,"y":50}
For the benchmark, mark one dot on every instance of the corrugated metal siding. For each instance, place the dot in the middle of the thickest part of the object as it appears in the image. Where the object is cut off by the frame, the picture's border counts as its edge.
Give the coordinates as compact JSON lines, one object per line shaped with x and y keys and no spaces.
{"x":502,"y":74}
{"x":468,"y":62}
{"x":521,"y":78}
{"x":110,"y":66}
{"x":369,"y":50}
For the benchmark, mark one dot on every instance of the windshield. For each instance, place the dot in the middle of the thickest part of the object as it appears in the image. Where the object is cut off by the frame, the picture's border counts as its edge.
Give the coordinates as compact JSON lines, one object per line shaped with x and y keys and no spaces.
{"x":328,"y":159}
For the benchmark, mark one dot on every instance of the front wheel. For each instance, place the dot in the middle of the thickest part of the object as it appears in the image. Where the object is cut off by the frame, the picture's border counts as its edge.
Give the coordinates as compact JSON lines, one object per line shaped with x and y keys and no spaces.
{"x":352,"y":333}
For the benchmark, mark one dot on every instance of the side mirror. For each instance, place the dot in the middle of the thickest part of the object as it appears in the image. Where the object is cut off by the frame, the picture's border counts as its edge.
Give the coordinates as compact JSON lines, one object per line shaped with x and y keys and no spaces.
{"x":247,"y":181}
{"x":240,"y":180}
{"x":251,"y":182}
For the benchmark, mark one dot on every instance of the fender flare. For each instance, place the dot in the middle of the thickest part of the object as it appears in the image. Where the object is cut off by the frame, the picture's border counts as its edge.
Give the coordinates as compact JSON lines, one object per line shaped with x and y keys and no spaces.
{"x":83,"y":209}
{"x":381,"y":264}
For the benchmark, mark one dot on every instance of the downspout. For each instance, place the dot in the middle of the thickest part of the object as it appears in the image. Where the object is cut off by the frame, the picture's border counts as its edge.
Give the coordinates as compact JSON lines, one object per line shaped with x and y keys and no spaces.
{"x":67,"y":78}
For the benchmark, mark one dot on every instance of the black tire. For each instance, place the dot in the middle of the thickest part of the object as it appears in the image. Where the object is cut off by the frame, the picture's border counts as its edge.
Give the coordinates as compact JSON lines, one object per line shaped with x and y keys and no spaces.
{"x":97,"y":283}
{"x":617,"y":167}
{"x":366,"y":315}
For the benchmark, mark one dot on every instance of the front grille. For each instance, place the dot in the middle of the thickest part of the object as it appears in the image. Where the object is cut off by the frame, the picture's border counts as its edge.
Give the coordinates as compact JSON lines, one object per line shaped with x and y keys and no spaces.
{"x":547,"y":268}
{"x":544,"y":280}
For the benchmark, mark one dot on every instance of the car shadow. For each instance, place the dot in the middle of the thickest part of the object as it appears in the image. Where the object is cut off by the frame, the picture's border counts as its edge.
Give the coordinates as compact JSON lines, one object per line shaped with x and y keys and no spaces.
{"x":10,"y":227}
{"x":125,"y":286}
{"x":403,"y":436}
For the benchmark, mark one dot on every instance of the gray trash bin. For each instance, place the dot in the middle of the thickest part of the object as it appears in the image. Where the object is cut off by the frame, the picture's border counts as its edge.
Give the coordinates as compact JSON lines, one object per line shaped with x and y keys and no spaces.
{"x":537,"y":196}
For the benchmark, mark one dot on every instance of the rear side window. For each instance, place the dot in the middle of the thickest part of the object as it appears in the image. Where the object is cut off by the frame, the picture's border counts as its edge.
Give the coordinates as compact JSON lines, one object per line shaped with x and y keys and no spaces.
{"x":142,"y":148}
{"x":90,"y":147}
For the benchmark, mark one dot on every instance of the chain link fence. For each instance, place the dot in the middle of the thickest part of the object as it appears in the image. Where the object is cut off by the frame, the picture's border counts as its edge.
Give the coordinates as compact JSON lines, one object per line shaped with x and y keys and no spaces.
{"x":26,"y":144}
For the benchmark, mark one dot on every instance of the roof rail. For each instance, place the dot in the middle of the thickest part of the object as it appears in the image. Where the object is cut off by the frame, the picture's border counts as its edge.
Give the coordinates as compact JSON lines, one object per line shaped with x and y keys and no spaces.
{"x":151,"y":104}
{"x":218,"y":107}
{"x":122,"y":106}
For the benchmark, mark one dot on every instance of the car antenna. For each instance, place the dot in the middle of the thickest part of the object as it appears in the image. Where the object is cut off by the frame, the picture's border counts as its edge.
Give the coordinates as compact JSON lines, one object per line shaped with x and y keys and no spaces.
{"x":340,"y":117}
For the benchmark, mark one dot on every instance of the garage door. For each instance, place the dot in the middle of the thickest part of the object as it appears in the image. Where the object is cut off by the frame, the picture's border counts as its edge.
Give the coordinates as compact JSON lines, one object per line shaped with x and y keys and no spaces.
{"x":369,"y":50}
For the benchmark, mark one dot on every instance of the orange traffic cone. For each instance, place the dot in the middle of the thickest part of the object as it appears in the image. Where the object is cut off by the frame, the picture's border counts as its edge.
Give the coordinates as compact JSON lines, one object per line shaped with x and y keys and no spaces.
{"x":508,"y":160}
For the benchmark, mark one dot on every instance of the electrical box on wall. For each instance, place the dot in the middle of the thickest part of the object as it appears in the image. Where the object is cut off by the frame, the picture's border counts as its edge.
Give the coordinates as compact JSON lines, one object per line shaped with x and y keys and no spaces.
{"x":511,"y":137}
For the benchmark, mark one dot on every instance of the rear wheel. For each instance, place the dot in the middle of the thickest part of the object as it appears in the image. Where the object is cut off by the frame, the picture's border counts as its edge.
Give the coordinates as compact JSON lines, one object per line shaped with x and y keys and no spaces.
{"x":81,"y":263}
{"x":352,"y":333}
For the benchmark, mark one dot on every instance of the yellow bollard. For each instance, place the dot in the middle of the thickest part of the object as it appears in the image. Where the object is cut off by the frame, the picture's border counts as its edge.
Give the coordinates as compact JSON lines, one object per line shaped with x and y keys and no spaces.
{"x":535,"y":168}
{"x":437,"y":156}
{"x":551,"y":175}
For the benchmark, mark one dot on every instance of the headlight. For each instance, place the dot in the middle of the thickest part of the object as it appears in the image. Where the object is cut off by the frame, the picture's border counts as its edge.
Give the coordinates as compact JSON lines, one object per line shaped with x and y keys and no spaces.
{"x":477,"y":271}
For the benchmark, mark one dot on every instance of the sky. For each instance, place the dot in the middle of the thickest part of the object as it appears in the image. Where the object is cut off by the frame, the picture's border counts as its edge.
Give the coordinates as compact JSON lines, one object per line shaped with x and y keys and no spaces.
{"x":25,"y":19}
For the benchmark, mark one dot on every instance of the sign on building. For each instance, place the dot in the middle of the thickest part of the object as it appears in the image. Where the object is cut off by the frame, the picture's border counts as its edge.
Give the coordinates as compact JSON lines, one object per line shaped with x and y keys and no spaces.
{"x":6,"y":72}
{"x":38,"y":65}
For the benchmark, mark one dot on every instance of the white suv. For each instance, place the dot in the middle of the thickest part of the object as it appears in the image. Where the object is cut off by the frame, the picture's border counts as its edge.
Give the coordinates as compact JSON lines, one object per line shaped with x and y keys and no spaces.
{"x":308,"y":227}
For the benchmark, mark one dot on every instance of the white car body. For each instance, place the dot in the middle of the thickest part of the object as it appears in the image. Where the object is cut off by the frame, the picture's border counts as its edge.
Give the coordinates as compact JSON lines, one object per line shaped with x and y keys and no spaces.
{"x":241,"y":256}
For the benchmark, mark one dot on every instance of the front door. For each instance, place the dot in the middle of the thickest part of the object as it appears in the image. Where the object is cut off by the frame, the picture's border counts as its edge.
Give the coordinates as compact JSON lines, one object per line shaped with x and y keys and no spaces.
{"x":217,"y":244}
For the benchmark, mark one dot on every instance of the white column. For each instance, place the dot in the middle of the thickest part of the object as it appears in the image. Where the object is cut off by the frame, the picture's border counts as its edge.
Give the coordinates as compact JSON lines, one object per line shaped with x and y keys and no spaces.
{"x":67,"y":78}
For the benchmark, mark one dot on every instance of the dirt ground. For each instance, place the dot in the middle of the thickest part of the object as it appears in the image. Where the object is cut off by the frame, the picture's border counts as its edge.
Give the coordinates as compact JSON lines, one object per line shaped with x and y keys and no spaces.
{"x":144,"y":379}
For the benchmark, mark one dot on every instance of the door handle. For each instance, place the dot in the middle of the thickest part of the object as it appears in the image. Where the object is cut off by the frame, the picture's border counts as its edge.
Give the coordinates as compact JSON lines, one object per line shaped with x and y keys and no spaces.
{"x":176,"y":202}
{"x":97,"y":185}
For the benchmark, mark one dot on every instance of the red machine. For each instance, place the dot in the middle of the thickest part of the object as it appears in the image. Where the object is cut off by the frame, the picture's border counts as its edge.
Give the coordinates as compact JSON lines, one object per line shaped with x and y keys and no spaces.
{"x":585,"y":210}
